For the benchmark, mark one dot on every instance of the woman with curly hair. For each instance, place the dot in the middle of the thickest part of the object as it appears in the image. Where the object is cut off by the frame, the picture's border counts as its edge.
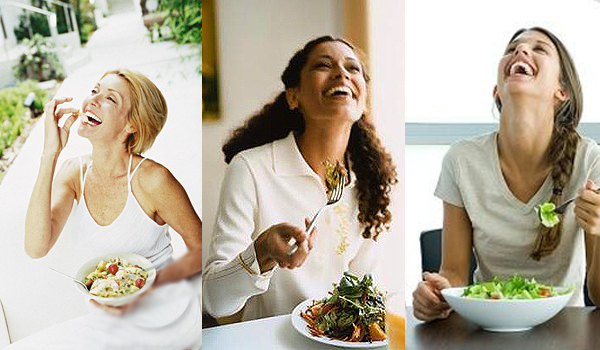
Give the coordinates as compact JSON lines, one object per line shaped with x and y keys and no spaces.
{"x":492,"y":184}
{"x":276,"y":176}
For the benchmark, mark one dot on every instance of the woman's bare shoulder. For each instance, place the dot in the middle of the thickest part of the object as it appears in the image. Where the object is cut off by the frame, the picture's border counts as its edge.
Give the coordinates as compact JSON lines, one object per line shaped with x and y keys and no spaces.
{"x":153,"y":176}
{"x":70,"y":173}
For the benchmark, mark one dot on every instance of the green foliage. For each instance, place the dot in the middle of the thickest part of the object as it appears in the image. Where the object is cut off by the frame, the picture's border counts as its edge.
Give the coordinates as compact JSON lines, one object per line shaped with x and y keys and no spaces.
{"x":12,"y":110}
{"x":84,"y":14}
{"x":39,"y":61}
{"x":185,"y":22}
{"x":85,"y":30}
{"x":39,"y":25}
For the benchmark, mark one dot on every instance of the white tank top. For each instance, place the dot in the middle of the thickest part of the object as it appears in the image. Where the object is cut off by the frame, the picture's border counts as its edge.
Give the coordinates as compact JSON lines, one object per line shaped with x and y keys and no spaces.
{"x":131,"y":232}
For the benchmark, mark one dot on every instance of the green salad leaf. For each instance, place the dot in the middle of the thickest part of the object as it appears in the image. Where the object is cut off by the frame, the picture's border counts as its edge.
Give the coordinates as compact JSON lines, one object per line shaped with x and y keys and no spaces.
{"x":547,"y":215}
{"x":354,"y":311}
{"x":516,"y":287}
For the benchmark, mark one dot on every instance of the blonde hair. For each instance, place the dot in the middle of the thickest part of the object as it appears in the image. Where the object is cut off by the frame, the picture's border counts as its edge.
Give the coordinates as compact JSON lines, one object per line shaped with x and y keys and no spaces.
{"x":148,"y":111}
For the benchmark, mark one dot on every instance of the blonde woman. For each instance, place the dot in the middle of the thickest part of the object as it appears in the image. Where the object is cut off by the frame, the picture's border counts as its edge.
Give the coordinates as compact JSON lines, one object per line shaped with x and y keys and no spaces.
{"x":125,"y":203}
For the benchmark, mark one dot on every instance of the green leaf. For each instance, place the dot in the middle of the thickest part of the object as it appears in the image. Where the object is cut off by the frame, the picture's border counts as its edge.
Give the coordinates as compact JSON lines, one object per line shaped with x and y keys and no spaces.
{"x":547,"y":214}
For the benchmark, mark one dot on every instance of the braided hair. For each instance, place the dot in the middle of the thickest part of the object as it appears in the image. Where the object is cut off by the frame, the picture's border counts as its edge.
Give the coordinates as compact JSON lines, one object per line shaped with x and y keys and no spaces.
{"x":563,"y":143}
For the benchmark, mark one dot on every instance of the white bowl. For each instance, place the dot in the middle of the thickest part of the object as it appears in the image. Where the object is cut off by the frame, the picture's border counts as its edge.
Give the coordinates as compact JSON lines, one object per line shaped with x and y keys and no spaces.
{"x":506,"y":315}
{"x":133,"y":259}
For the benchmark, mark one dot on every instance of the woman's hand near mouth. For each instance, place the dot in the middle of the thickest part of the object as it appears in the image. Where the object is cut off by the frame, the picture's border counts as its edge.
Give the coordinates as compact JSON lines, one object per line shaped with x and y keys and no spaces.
{"x":56,"y":137}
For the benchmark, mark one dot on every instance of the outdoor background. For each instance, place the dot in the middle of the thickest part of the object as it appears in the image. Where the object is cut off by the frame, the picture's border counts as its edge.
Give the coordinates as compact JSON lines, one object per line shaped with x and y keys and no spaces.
{"x":34,"y":297}
{"x":254,"y":42}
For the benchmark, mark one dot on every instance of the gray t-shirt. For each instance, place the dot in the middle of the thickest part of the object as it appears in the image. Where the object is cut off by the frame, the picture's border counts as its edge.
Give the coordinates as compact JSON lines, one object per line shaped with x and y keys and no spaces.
{"x":504,"y":228}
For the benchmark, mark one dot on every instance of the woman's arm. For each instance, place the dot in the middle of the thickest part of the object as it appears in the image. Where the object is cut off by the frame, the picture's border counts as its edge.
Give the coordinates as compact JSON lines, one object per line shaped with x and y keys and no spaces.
{"x":457,"y":245}
{"x":50,"y":207}
{"x":227,"y":283}
{"x":172,"y":204}
{"x":587,"y":212}
{"x":457,"y":240}
{"x":593,"y":268}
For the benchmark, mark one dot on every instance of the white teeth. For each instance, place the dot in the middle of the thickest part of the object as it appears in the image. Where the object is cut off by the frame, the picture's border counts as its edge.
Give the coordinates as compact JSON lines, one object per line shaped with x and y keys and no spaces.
{"x":519,"y":64}
{"x":335,"y":89}
{"x":93,"y":117}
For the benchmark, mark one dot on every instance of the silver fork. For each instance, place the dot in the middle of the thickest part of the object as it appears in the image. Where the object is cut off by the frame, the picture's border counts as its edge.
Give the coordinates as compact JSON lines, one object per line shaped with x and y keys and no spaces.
{"x":334,"y":197}
{"x":73,"y":279}
{"x":561,"y":208}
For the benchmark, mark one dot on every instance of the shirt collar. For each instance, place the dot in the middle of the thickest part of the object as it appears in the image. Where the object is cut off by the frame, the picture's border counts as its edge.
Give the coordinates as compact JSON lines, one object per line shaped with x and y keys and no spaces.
{"x":287,"y":159}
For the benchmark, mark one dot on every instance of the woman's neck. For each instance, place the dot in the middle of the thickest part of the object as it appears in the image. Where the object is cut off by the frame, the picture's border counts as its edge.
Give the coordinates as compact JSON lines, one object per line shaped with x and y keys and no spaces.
{"x":110,"y":162}
{"x":319,"y":143}
{"x":524,"y":136}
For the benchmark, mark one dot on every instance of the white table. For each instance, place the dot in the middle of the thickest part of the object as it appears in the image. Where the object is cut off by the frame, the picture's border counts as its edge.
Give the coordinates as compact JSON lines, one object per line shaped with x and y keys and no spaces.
{"x":266,"y":333}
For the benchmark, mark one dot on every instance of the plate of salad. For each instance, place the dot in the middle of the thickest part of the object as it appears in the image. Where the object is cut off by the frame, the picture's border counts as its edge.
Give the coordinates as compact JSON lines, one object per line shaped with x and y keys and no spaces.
{"x":508,"y":305}
{"x":351,"y":316}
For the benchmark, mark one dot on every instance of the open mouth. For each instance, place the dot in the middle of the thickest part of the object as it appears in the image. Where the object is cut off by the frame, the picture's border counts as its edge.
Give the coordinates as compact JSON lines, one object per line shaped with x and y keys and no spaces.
{"x":340,"y":91}
{"x":521,"y":68}
{"x":92,"y":119}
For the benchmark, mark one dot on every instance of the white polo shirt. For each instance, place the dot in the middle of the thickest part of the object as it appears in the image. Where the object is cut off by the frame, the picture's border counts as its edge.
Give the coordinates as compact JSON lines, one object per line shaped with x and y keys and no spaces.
{"x":267,"y":185}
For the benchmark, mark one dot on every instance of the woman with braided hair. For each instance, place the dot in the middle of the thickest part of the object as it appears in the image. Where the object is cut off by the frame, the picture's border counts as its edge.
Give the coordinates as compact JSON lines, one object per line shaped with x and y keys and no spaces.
{"x":276,"y":177}
{"x":492,"y":184}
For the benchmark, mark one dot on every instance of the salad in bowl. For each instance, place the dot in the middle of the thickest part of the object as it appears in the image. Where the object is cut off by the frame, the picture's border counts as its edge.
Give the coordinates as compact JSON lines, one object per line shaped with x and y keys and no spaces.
{"x":116,"y":279}
{"x":508,"y":305}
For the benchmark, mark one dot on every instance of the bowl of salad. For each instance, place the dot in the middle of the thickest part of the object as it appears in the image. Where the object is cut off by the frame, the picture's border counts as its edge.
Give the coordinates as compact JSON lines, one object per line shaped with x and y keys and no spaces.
{"x":508,"y":305}
{"x":116,"y":279}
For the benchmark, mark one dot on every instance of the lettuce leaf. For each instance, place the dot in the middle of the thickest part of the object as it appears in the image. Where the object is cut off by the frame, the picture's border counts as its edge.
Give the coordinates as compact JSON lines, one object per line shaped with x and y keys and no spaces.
{"x":547,"y":215}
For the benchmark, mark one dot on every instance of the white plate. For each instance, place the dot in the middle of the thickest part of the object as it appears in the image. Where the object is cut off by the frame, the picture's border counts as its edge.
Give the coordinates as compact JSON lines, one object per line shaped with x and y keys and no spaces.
{"x":300,"y":325}
{"x":134,"y":259}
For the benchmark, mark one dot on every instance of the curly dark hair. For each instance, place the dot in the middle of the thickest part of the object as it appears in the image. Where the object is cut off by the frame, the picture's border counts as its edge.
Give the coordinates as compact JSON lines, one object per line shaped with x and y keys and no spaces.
{"x":563,"y":145}
{"x":372,"y":165}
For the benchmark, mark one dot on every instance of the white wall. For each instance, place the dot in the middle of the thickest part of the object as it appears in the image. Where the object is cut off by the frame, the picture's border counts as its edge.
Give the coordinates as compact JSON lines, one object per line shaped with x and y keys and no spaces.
{"x":423,"y":210}
{"x":453,"y":49}
{"x":386,"y":38}
{"x":10,"y":16}
{"x":256,"y":41}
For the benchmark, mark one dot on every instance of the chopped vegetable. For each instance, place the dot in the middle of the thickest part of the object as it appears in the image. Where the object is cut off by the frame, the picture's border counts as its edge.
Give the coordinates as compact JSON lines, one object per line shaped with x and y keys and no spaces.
{"x":354,"y":312}
{"x":516,"y":287}
{"x":113,"y":269}
{"x":115,"y":278}
{"x":547,"y":214}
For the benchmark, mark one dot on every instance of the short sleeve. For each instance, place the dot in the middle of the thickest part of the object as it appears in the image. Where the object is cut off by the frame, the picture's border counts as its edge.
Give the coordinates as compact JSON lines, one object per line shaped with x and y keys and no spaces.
{"x":594,"y":162}
{"x":448,"y":188}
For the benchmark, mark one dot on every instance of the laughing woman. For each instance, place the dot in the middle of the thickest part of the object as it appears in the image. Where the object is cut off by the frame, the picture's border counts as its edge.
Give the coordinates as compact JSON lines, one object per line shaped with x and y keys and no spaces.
{"x":491,"y":184}
{"x":276,"y":177}
{"x":126,"y":203}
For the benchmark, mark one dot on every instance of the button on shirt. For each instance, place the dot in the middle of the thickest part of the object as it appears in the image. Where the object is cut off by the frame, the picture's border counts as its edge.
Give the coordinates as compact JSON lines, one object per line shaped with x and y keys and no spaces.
{"x":264,"y":186}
